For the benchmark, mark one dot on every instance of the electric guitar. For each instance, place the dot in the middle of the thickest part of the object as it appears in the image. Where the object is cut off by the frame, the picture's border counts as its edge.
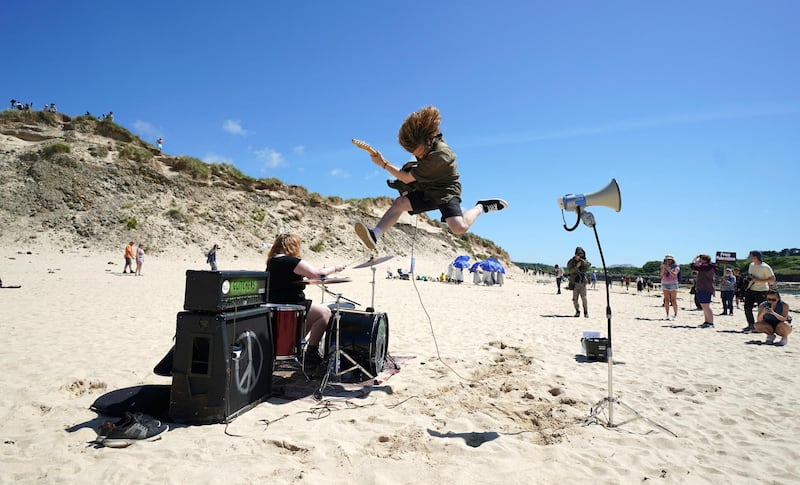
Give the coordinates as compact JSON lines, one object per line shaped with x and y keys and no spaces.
{"x":365,"y":146}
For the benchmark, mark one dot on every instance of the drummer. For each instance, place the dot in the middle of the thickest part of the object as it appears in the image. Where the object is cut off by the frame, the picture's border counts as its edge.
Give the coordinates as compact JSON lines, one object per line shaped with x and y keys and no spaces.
{"x":286,"y":272}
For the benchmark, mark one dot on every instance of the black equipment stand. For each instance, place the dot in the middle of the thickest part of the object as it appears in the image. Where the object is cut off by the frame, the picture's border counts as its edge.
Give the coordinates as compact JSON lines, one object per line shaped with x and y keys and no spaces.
{"x":335,"y":357}
{"x":597,"y":413}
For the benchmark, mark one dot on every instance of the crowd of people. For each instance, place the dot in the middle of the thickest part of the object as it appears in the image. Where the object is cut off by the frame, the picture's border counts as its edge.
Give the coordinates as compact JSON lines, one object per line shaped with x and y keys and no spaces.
{"x":753,"y":290}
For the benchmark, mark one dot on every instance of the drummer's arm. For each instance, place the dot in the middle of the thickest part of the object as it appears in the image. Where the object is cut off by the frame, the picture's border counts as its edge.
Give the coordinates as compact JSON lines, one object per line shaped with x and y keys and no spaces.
{"x":305,"y":269}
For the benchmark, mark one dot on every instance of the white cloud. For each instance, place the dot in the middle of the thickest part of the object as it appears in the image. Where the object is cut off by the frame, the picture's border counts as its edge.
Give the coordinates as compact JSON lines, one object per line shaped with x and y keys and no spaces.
{"x":299,"y":149}
{"x":339,"y":172}
{"x":270,"y":158}
{"x":144,"y":128}
{"x":214,"y":158}
{"x":234,"y":127}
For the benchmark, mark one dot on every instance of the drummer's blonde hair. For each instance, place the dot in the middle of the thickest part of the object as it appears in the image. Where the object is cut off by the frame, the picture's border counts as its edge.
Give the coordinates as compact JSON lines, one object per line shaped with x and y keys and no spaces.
{"x":419,"y":128}
{"x":287,"y":244}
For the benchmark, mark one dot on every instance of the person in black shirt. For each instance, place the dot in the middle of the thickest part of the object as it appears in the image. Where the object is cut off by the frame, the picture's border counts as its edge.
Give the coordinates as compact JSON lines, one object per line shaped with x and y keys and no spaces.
{"x":286,"y":272}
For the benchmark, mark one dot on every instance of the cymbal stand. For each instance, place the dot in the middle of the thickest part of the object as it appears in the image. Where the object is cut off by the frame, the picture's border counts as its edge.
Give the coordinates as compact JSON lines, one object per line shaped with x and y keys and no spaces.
{"x":335,"y":357}
{"x":372,"y":300}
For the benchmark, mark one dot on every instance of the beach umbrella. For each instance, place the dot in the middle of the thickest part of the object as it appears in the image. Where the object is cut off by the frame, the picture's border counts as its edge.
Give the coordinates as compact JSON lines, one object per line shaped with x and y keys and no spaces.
{"x":461,"y":262}
{"x":492,"y":265}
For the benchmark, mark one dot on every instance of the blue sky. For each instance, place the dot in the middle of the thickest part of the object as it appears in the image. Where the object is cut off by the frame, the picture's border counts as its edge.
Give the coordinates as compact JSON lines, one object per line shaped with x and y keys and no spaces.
{"x":694,"y":107}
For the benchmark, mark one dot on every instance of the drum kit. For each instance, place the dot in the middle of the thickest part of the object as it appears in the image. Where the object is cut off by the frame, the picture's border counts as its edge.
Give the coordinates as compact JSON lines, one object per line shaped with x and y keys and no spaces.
{"x":356,"y":342}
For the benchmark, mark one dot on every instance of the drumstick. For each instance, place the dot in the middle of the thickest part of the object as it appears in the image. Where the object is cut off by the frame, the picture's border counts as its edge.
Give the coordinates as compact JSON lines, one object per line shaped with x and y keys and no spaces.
{"x":364,"y":146}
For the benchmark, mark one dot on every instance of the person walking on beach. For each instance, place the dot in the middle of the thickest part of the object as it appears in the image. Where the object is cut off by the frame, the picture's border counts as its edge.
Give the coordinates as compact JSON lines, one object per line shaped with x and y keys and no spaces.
{"x":594,"y":280}
{"x":211,"y":257}
{"x":727,"y":288}
{"x":430,"y":182}
{"x":760,"y":275}
{"x":129,"y":252}
{"x":704,"y":286}
{"x":559,"y":277}
{"x":669,"y":285}
{"x":577,"y":268}
{"x":139,"y":259}
{"x":773,"y":318}
{"x":741,"y":286}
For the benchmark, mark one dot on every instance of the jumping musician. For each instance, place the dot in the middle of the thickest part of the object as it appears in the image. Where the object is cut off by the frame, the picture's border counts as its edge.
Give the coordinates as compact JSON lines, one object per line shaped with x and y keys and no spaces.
{"x":431,"y":182}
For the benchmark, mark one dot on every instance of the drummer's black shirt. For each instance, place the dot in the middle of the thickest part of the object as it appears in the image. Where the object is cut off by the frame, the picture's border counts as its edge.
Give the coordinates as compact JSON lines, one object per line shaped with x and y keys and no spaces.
{"x":284,"y":286}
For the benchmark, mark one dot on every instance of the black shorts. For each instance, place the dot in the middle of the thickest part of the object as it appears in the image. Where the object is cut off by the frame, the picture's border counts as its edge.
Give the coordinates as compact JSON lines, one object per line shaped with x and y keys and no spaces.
{"x":420,"y":204}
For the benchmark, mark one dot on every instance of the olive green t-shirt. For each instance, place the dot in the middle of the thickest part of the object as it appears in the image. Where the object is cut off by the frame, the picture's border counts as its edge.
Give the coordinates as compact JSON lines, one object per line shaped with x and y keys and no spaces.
{"x":436,"y":174}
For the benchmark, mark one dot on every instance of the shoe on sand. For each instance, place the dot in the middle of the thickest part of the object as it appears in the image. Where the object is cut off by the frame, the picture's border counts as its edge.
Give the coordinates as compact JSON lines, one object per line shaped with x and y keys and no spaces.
{"x":366,"y":235}
{"x":130,"y":429}
{"x":492,"y":205}
{"x":770,"y":340}
{"x":783,"y":341}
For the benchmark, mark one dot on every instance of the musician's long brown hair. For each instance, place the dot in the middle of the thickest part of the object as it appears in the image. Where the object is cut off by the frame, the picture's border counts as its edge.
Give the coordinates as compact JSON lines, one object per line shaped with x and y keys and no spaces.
{"x":287,"y":244}
{"x":419,"y":128}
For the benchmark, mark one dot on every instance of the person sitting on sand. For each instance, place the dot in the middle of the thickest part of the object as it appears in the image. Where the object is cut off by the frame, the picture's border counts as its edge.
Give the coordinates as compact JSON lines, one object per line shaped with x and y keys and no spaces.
{"x":431,"y":182}
{"x":286,"y":272}
{"x":773,"y":318}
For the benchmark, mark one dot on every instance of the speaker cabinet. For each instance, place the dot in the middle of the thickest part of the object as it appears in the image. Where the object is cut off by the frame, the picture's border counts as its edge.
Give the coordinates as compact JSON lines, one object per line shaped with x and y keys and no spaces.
{"x":222,"y":365}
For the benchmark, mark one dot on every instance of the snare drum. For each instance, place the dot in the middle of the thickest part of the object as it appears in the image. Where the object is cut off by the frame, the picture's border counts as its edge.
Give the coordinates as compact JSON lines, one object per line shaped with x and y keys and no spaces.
{"x":364,"y":337}
{"x":287,"y":329}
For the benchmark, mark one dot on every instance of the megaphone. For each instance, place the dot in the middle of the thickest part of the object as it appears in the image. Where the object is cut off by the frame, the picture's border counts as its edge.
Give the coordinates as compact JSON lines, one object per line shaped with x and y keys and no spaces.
{"x":608,"y":196}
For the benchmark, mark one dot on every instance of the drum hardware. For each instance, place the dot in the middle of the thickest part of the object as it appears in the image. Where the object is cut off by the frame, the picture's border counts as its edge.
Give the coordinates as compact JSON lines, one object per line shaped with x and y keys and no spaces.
{"x":371,"y":263}
{"x":335,"y":357}
{"x":322,"y":282}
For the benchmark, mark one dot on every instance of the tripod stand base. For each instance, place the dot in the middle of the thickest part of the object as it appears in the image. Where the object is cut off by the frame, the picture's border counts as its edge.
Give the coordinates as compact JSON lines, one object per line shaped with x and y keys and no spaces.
{"x":598,"y":415}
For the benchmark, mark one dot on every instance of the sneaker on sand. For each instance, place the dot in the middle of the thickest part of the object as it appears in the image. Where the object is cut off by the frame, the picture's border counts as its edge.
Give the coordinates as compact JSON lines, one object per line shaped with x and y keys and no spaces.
{"x":770,"y":340}
{"x":366,"y":235}
{"x":492,"y":205}
{"x":783,"y":341}
{"x":130,"y":429}
{"x":311,"y":358}
{"x":707,"y":325}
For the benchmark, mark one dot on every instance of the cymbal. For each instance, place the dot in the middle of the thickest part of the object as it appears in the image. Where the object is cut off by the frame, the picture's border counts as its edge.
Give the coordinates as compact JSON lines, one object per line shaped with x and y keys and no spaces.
{"x":373,"y":261}
{"x":323,"y":281}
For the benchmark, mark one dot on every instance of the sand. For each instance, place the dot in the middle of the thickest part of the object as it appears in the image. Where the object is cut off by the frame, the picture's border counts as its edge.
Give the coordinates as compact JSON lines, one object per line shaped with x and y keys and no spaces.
{"x":503,"y":405}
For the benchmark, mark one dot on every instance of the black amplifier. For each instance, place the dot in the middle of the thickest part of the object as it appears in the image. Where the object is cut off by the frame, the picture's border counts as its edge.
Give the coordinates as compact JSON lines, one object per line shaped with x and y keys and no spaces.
{"x":216,"y":291}
{"x":596,"y":348}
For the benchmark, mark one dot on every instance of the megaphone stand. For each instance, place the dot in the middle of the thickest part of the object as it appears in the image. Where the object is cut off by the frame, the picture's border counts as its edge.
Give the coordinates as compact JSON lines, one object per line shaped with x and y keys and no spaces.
{"x":598,"y":411}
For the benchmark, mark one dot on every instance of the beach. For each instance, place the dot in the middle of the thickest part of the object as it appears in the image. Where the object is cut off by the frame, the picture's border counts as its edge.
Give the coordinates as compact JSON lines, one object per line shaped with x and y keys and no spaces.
{"x":492,"y":386}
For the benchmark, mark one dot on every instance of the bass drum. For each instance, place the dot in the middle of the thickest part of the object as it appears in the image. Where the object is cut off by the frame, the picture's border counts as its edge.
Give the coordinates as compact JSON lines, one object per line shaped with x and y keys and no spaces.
{"x":365,"y":338}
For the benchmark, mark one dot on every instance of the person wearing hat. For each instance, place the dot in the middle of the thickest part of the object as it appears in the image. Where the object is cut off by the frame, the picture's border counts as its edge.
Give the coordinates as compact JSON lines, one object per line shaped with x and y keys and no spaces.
{"x":669,"y":285}
{"x":760,"y":276}
{"x":577,"y":268}
{"x":727,"y":288}
{"x":429,"y":182}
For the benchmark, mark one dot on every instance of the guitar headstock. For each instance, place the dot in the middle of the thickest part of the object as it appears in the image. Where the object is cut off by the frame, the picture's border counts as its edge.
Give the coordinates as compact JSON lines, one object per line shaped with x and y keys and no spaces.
{"x":364,"y":146}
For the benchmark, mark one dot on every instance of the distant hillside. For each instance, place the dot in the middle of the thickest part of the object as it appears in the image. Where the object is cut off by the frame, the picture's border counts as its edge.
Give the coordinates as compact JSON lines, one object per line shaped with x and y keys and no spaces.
{"x":93,"y":184}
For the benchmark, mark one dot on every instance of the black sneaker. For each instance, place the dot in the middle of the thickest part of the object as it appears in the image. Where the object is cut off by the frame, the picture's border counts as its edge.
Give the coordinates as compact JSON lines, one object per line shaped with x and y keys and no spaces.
{"x":492,"y":205}
{"x":586,"y":314}
{"x":577,"y":313}
{"x":311,"y":358}
{"x":707,"y":325}
{"x":366,"y":235}
{"x":130,"y":429}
